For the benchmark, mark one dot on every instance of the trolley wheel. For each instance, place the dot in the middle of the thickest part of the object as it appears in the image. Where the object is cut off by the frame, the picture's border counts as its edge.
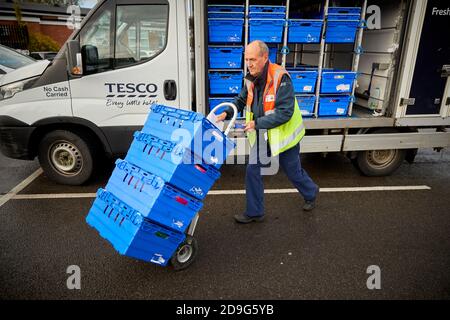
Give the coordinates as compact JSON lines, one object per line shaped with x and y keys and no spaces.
{"x":185,"y":254}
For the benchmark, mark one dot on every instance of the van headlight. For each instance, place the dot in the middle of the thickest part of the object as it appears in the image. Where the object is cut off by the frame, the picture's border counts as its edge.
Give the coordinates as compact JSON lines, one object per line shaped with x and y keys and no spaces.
{"x":9,"y":90}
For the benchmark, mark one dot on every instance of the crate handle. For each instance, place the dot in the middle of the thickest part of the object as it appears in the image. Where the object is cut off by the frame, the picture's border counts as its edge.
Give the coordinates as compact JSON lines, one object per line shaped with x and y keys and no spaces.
{"x":200,"y":168}
{"x":226,"y":50}
{"x":181,"y":200}
{"x":306,"y":24}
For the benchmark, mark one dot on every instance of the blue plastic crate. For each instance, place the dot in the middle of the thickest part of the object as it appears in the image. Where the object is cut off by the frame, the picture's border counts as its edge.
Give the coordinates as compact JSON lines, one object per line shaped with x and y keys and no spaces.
{"x":306,"y":105}
{"x":273,"y":52}
{"x":225,"y":30}
{"x":344,"y":17}
{"x":305,"y":31}
{"x":193,"y":130}
{"x":344,"y":11}
{"x":175,"y":164}
{"x":226,"y":15}
{"x":225,"y":57}
{"x":225,"y":82}
{"x":304,"y":81}
{"x":225,"y":8}
{"x":334,"y":106}
{"x":131,"y":234}
{"x":262,"y":15}
{"x":267,"y":9}
{"x":341,"y":31}
{"x":152,"y":197}
{"x":337,"y":81}
{"x":267,"y":30}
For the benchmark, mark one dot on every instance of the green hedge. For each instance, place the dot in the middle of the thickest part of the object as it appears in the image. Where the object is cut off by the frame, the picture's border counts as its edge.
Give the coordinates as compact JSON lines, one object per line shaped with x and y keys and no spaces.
{"x":41,"y":42}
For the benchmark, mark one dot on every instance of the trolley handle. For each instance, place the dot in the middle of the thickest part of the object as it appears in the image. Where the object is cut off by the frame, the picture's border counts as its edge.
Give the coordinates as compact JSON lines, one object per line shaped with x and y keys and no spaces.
{"x":233,"y":120}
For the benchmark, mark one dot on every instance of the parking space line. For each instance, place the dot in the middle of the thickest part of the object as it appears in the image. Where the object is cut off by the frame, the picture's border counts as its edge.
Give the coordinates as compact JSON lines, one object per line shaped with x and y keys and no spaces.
{"x":54,"y":196}
{"x":229,"y":192}
{"x":14,"y":191}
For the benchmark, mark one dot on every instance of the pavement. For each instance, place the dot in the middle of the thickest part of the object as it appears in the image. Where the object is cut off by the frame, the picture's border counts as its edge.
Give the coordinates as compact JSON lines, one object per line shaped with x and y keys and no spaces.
{"x":326,"y":254}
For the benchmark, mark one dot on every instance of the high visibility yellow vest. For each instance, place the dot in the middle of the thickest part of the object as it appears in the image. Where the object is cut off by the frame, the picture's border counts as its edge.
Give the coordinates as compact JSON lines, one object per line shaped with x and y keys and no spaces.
{"x":287,"y":135}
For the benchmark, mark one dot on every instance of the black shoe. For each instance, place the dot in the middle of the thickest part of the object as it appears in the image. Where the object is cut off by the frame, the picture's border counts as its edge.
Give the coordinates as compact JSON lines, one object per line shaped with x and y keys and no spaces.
{"x":309,"y":205}
{"x":242,"y":218}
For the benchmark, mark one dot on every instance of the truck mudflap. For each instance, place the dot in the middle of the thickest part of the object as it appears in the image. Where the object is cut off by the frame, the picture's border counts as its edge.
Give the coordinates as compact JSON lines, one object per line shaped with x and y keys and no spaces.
{"x":14,"y":138}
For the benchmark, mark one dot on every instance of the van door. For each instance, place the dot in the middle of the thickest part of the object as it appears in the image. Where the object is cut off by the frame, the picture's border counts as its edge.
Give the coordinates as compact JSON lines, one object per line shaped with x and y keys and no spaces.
{"x":129,"y":54}
{"x":433,"y":62}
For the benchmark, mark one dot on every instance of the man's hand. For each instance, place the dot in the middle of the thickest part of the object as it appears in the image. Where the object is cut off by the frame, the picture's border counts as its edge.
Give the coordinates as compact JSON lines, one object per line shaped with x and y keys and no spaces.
{"x":250,"y":126}
{"x":221,"y":117}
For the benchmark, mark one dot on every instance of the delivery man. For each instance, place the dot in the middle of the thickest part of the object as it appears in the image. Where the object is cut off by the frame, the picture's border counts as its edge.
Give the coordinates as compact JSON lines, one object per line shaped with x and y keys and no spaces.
{"x":273,"y":119}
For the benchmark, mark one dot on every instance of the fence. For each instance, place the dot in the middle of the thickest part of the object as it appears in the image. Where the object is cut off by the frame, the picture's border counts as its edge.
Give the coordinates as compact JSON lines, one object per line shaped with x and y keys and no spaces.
{"x":14,"y":36}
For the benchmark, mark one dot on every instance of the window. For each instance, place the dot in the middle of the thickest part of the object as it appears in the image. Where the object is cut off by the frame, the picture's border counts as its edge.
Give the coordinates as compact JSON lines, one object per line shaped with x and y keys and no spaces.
{"x":12,"y":59}
{"x":96,"y":44}
{"x":141,"y":33}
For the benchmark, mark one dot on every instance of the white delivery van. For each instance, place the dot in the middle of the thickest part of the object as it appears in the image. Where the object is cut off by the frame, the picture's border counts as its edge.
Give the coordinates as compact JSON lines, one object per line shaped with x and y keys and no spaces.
{"x":127,"y":55}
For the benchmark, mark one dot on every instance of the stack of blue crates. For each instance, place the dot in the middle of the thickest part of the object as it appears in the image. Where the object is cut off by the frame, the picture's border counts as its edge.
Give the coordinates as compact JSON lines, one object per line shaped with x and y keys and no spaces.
{"x":153,"y":195}
{"x":336,"y":89}
{"x":226,"y":50}
{"x":342,"y":24}
{"x":304,"y":80}
{"x":267,"y":23}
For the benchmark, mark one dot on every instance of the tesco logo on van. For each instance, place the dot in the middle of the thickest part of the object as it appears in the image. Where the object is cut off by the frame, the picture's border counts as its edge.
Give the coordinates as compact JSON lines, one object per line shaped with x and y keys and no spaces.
{"x":131,"y":90}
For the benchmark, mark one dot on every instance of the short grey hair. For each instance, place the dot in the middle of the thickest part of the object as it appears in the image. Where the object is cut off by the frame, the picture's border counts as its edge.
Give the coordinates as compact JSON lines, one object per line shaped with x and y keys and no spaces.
{"x":263,"y":48}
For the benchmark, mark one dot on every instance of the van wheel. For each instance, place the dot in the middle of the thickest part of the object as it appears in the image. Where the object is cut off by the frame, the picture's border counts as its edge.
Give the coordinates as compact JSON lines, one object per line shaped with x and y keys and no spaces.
{"x":66,"y":157}
{"x":379,"y":163}
{"x":185,"y":254}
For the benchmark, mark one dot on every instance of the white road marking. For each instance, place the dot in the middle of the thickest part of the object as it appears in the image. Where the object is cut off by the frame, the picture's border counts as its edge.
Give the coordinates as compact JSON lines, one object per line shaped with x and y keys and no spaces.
{"x":14,"y":191}
{"x":230,"y":192}
{"x":54,"y":196}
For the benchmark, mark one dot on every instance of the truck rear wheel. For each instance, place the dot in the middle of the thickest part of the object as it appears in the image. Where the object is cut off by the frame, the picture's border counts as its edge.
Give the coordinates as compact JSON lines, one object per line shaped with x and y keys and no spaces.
{"x":379,"y":163}
{"x":66,"y":157}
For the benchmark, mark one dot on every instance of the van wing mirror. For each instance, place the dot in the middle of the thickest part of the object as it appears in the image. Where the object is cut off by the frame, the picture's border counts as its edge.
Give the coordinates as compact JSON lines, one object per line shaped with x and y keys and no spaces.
{"x":74,"y":60}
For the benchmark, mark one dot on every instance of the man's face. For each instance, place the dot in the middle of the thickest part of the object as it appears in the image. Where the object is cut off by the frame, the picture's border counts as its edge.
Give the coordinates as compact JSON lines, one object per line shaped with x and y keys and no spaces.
{"x":255,"y":61}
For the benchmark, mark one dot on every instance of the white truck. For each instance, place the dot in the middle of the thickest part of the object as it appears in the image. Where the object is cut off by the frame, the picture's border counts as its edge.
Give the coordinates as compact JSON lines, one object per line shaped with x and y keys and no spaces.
{"x":126,"y":55}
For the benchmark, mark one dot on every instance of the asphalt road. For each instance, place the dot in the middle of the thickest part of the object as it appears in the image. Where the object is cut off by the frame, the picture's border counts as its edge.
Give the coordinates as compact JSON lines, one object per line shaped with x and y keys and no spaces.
{"x":292,"y":255}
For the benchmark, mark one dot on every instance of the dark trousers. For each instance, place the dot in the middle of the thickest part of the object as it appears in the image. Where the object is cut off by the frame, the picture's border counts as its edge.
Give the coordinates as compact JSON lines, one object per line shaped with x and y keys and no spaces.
{"x":289,"y":161}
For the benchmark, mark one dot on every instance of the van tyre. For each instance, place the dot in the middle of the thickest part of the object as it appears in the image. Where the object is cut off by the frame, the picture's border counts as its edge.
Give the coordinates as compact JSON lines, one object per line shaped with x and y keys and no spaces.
{"x":185,"y":254}
{"x":67,"y":157}
{"x":379,"y":163}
